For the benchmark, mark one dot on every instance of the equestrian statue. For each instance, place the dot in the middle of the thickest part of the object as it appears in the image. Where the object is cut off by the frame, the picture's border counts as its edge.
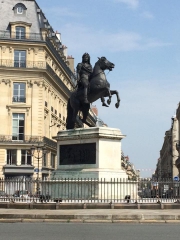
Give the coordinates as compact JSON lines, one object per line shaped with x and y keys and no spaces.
{"x":91,"y":85}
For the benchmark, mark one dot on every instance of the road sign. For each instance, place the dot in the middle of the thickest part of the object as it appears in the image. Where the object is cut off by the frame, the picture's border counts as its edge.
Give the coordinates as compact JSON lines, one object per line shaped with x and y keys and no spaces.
{"x":176,"y":178}
{"x":36,"y":170}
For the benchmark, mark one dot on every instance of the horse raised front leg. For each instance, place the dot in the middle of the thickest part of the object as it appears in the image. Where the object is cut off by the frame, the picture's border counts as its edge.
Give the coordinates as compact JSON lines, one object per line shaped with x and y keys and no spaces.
{"x":109,"y":100}
{"x":110,"y":96}
{"x":103,"y":102}
{"x":118,"y":98}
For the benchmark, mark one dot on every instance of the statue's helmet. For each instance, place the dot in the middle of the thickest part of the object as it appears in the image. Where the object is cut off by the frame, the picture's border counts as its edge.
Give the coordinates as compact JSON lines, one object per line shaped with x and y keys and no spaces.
{"x":86,"y":55}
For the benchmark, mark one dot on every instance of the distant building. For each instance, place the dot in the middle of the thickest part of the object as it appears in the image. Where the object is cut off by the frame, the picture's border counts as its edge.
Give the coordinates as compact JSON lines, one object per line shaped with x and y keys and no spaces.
{"x":177,"y":143}
{"x":99,"y":122}
{"x":129,"y":168}
{"x":166,"y":165}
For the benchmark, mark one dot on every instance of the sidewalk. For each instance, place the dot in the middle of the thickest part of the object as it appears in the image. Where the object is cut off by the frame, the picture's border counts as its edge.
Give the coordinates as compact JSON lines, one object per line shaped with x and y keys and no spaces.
{"x":90,"y":215}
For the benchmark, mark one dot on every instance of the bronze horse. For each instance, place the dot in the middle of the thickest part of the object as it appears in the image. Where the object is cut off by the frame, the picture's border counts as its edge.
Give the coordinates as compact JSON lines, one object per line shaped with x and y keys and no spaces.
{"x":99,"y":87}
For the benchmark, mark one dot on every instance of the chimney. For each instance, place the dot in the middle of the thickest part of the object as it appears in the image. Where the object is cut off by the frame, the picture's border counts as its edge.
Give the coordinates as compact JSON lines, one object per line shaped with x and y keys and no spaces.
{"x":70,"y":59}
{"x":58,"y":35}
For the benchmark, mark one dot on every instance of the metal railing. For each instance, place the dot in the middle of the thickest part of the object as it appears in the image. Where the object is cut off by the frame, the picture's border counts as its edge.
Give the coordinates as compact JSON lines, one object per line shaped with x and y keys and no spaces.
{"x":89,"y":190}
{"x":18,"y":99}
{"x":22,"y":64}
{"x":23,"y":37}
{"x":35,"y":65}
{"x":28,"y":139}
{"x":25,"y":138}
{"x":38,"y":37}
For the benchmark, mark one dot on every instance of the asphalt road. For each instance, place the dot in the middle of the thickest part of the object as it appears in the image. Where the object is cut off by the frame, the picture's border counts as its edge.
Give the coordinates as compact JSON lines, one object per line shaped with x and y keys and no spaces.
{"x":87,"y":231}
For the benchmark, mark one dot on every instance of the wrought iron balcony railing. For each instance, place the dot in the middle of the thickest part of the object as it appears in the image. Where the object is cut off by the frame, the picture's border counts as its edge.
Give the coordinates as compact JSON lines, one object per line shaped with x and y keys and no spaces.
{"x":19,"y":99}
{"x":38,"y":37}
{"x":22,"y":64}
{"x":19,"y":63}
{"x":27,"y":139}
{"x":23,"y":37}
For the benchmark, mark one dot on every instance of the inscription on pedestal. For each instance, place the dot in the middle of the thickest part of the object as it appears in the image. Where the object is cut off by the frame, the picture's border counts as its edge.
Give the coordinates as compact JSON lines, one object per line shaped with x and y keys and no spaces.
{"x":77,"y":154}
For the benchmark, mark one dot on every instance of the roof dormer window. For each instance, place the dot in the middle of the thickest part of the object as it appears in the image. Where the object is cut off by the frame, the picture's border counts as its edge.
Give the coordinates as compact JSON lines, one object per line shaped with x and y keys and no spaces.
{"x":19,"y":10}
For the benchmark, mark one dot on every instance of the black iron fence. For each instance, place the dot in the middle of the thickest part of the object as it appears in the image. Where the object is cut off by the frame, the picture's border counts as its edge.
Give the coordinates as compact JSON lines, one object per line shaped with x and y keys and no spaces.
{"x":89,"y":190}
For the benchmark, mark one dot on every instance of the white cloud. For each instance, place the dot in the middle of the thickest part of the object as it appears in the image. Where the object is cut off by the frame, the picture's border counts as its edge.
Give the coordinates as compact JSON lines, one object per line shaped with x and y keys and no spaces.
{"x":147,"y":15}
{"x":79,"y":38}
{"x":148,"y":96}
{"x":130,"y":3}
{"x":144,"y":115}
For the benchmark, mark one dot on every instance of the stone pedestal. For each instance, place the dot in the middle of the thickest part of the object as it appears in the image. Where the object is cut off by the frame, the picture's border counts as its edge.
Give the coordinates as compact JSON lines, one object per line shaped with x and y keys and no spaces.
{"x":89,"y":166}
{"x":89,"y":153}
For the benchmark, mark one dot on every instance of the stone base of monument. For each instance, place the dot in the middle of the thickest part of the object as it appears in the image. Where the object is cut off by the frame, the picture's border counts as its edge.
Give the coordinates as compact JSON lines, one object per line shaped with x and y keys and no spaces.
{"x":89,"y":164}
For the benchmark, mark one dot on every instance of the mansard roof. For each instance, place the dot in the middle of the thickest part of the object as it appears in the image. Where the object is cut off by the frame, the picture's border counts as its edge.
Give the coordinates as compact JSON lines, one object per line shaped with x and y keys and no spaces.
{"x":33,"y":14}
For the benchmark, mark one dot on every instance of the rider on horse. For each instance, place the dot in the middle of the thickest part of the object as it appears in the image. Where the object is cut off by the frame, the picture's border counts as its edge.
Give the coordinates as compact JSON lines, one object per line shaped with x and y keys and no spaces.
{"x":84,"y":71}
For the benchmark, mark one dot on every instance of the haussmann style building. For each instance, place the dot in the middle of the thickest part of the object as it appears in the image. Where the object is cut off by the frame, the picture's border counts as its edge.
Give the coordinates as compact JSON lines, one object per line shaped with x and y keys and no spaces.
{"x":36,"y":78}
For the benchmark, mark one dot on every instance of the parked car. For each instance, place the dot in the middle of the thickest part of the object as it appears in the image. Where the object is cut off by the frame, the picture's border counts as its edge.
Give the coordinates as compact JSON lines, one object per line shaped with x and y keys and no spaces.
{"x":21,"y":194}
{"x":43,"y":197}
{"x":3,"y":194}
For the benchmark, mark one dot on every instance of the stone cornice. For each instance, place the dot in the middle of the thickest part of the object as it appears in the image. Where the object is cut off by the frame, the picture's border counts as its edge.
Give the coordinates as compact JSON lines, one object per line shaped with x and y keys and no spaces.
{"x":89,"y":133}
{"x":20,"y":23}
{"x":18,"y":106}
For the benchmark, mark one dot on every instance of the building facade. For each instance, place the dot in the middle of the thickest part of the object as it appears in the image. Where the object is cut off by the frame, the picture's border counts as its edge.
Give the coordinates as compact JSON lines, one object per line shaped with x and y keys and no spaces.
{"x":36,"y":79}
{"x":129,"y":168}
{"x":166,"y":165}
{"x":177,"y":162}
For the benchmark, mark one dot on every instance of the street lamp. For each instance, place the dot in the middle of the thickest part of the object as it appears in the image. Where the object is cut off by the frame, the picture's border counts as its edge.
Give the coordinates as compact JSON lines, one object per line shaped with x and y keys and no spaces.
{"x":38,"y":152}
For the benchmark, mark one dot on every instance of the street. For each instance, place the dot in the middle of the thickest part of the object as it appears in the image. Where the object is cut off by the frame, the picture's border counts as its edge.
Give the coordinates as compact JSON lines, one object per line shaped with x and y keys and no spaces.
{"x":88,"y":231}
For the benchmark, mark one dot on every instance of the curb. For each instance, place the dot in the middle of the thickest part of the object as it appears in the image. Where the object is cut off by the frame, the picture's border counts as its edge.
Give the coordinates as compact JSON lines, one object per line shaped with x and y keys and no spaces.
{"x":17,"y":220}
{"x":87,"y":218}
{"x":66,"y":206}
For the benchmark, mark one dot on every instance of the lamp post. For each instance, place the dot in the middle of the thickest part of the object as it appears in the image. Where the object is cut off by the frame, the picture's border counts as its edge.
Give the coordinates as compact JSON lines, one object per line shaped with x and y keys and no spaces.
{"x":38,"y":152}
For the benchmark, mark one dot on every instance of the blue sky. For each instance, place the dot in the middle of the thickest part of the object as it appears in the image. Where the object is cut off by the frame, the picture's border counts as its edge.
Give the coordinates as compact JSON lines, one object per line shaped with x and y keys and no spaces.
{"x":142,"y":39}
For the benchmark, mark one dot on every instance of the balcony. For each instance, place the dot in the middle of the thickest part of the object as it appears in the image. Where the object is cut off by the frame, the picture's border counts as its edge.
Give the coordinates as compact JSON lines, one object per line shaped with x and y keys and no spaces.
{"x":16,"y":36}
{"x":18,"y":169}
{"x":35,"y":65}
{"x":28,"y":139}
{"x":8,"y":35}
{"x":18,"y":99}
{"x":22,"y":64}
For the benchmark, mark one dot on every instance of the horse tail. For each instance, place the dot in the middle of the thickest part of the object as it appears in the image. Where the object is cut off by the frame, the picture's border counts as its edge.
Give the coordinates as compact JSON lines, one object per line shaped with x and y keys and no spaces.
{"x":69,"y":120}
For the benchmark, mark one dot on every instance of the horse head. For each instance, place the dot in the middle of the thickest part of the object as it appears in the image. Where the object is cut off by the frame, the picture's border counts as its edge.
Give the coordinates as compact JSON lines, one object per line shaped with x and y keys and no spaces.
{"x":105,"y":64}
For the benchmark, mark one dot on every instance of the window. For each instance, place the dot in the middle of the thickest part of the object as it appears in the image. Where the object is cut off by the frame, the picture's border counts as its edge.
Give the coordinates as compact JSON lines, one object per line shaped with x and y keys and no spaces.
{"x":19,"y":59}
{"x":19,"y":92}
{"x":19,"y":10}
{"x":53,"y":156}
{"x":11,"y":157}
{"x":18,"y":126}
{"x":55,"y":111}
{"x":45,"y":160}
{"x":52,"y":109}
{"x":46,"y":104}
{"x":20,"y":32}
{"x":25,"y":157}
